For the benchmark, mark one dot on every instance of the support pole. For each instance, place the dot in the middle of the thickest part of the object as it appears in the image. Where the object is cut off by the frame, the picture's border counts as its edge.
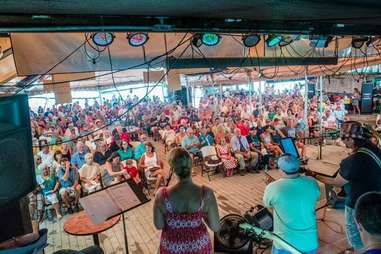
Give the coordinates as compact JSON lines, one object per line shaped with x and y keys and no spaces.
{"x":251,"y":88}
{"x":260,"y":96}
{"x":187,"y":87}
{"x":321,"y":117}
{"x":306,"y":99}
{"x":125,"y":234}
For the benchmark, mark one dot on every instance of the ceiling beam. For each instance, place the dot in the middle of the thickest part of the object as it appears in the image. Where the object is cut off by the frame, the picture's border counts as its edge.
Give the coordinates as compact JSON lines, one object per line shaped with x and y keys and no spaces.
{"x":221,"y":63}
{"x":80,"y":23}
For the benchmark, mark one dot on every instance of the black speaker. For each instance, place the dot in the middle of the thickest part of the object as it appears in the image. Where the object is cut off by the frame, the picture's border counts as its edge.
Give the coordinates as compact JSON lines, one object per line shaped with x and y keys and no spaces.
{"x":17,"y":175}
{"x":367,"y":97}
{"x":311,"y":90}
{"x":181,"y":95}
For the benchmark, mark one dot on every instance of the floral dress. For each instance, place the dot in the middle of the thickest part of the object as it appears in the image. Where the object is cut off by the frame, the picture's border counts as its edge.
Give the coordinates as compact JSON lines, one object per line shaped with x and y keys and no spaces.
{"x":228,"y":163}
{"x":184,"y":233}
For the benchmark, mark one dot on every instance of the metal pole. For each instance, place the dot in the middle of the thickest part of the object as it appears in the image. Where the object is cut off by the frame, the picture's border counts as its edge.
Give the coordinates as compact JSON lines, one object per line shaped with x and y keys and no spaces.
{"x":125,"y":234}
{"x":187,"y":87}
{"x":260,"y":96}
{"x":321,"y":117}
{"x":306,"y":99}
{"x":248,"y":72}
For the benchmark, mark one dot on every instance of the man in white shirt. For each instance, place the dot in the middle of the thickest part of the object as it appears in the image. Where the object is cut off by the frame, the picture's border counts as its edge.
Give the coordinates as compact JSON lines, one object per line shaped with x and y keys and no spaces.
{"x":89,"y":174}
{"x":45,"y":154}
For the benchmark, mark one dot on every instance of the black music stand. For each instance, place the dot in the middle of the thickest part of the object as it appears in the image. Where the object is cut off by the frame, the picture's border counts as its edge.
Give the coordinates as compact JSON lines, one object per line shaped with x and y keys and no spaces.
{"x":119,"y":198}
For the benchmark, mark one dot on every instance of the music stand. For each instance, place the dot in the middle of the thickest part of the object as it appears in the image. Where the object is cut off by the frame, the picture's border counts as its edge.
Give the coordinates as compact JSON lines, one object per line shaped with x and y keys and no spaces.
{"x":114,"y":200}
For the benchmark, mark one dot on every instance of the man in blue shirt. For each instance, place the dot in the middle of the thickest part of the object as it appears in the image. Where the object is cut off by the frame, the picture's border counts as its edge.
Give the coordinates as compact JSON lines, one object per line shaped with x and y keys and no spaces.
{"x":205,"y":138}
{"x":293,"y":199}
{"x":78,"y":158}
{"x":69,"y":180}
{"x":191,"y":143}
{"x":241,"y":150}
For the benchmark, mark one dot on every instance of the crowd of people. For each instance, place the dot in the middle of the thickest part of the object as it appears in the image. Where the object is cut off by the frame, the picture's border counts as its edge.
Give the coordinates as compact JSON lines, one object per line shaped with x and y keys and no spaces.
{"x":81,"y":149}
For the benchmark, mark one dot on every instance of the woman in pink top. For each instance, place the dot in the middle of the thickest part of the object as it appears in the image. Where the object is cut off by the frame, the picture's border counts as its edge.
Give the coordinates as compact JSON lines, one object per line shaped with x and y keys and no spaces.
{"x":182,"y":210}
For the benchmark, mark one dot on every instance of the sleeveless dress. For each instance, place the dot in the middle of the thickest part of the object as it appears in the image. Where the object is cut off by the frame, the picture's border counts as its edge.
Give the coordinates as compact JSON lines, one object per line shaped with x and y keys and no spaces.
{"x":228,"y":163}
{"x":184,"y":233}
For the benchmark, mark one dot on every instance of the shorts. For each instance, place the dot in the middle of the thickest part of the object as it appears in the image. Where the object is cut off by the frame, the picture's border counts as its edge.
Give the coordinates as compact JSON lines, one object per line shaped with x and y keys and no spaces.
{"x":351,"y":230}
{"x":70,"y":191}
{"x":51,"y":198}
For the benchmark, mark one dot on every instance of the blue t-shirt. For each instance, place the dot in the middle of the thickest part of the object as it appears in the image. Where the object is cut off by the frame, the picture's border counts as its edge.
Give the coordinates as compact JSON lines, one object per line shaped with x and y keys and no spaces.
{"x":73,"y":176}
{"x":187,"y":140}
{"x":78,"y":159}
{"x":293,"y":202}
{"x":374,"y":251}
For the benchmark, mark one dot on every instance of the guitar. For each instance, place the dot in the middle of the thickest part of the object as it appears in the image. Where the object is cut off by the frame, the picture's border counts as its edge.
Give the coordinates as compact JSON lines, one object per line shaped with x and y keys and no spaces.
{"x":252,"y":230}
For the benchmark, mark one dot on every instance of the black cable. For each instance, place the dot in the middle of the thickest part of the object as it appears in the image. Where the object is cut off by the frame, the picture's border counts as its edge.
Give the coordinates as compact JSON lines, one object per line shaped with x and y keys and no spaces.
{"x":55,"y":65}
{"x":112,"y":74}
{"x":120,"y":116}
{"x":120,"y":70}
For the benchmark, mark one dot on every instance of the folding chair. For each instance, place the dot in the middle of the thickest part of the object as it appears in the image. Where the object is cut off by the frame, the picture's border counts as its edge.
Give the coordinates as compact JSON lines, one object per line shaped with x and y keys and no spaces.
{"x":206,"y":167}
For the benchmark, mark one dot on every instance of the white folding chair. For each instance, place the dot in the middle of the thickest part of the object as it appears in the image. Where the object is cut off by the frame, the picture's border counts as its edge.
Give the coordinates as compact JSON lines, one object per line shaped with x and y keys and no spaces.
{"x":207,"y":167}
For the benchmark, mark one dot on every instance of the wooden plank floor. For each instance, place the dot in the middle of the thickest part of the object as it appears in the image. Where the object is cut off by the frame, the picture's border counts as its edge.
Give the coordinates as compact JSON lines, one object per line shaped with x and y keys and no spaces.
{"x":234,"y":195}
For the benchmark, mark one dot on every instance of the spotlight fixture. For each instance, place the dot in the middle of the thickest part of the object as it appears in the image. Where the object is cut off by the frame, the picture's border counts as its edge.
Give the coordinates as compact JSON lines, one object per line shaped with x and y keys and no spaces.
{"x":210,"y":39}
{"x":137,"y":39}
{"x":250,"y":40}
{"x":288,"y":39}
{"x":273,"y":40}
{"x":358,"y":42}
{"x":102,"y":39}
{"x":320,"y":41}
{"x":196,"y":40}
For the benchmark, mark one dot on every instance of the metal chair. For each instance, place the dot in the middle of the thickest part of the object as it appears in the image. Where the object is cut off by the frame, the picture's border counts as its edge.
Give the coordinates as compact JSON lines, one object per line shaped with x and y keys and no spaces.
{"x":206,"y":167}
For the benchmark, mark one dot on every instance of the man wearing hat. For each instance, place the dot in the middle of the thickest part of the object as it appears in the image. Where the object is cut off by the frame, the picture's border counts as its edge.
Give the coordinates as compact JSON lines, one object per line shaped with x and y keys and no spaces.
{"x":360,"y":172}
{"x":293,"y":199}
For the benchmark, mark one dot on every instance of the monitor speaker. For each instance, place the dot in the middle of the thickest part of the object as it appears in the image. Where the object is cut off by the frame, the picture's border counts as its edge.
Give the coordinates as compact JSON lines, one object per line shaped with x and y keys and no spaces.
{"x":367,"y":97}
{"x":311,"y":90}
{"x":17,"y":174}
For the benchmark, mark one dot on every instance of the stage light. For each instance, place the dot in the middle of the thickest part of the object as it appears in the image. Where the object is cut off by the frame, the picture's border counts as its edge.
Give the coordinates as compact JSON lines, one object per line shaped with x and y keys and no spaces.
{"x":102,"y":39}
{"x":358,"y":42}
{"x":196,"y":40}
{"x":320,"y":41}
{"x":210,"y":39}
{"x":250,"y":40}
{"x":137,"y":39}
{"x":288,"y":39}
{"x":273,"y":40}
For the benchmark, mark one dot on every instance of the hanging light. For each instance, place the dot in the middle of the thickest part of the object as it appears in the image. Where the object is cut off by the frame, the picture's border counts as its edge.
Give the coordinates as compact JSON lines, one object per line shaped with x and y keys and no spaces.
{"x":358,"y":42}
{"x":196,"y":40}
{"x":273,"y":40}
{"x":210,"y":39}
{"x":288,"y":39}
{"x":251,"y":40}
{"x":320,"y":41}
{"x":137,"y":39}
{"x":102,"y":39}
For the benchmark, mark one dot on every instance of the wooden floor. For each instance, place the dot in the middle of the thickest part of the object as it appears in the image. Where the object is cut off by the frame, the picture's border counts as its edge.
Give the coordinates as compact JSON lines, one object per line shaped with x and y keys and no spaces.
{"x":234,"y":194}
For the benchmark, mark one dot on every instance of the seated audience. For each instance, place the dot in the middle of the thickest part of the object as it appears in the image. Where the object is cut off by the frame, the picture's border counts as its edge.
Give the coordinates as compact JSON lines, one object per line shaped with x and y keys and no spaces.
{"x":168,"y":135}
{"x":78,"y":158}
{"x":368,"y":218}
{"x":224,"y":153}
{"x":126,"y":152}
{"x":206,"y":138}
{"x":90,"y":175}
{"x":140,"y":149}
{"x":267,"y":139}
{"x":293,"y":199}
{"x":45,"y":154}
{"x":180,"y":136}
{"x":182,"y":210}
{"x":49,"y":186}
{"x":152,"y":166}
{"x":130,"y":167}
{"x":70,"y":189}
{"x":114,"y":169}
{"x":191,"y":143}
{"x":100,"y":153}
{"x":241,"y":151}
